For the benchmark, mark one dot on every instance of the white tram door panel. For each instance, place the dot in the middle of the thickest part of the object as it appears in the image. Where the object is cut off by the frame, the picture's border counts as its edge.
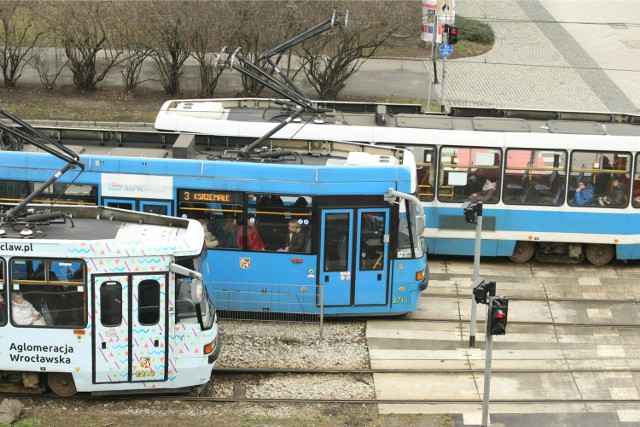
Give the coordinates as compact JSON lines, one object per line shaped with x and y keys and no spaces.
{"x":130,"y":328}
{"x":148,"y":339}
{"x":372,"y":249}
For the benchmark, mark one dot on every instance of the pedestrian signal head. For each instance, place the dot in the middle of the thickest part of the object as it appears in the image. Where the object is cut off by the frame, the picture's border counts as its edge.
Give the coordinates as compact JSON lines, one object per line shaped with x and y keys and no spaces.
{"x":452,"y":32}
{"x":470,"y":209}
{"x":498,"y":316}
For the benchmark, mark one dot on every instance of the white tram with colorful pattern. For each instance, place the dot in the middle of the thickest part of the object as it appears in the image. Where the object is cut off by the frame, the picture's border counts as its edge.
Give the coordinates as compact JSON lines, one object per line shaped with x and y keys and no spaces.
{"x":103,"y":300}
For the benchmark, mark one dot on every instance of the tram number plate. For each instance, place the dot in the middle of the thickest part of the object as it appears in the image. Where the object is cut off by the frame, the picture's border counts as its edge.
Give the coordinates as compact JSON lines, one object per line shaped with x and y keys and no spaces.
{"x":401,"y":300}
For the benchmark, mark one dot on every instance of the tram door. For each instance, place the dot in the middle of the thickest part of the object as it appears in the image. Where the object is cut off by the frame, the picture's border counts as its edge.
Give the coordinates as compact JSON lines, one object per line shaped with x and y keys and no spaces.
{"x":354,"y":253}
{"x":130,"y":328}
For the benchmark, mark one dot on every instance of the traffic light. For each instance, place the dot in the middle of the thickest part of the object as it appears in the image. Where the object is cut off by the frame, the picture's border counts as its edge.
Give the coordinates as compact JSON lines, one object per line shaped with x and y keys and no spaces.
{"x":498,"y":317}
{"x":481,"y":289}
{"x":452,"y":32}
{"x":470,"y":209}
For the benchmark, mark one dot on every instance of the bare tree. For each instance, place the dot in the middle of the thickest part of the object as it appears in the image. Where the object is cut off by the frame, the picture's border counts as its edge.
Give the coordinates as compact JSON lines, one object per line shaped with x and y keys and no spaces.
{"x":330,"y":60}
{"x":210,"y":24}
{"x":49,"y":70}
{"x":18,"y":38}
{"x":83,"y":28}
{"x":261,"y":25}
{"x":169,"y":36}
{"x":130,"y":39}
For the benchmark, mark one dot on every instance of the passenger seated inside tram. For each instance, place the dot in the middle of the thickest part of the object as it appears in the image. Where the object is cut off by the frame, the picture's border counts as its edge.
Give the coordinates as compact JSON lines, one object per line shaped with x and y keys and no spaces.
{"x":477,"y":178}
{"x":616,"y":197}
{"x":254,"y":240}
{"x":23,"y":312}
{"x":225,"y":229}
{"x":488,"y":190}
{"x":3,"y":311}
{"x":636,"y":201}
{"x":584,"y":194}
{"x":296,"y":239}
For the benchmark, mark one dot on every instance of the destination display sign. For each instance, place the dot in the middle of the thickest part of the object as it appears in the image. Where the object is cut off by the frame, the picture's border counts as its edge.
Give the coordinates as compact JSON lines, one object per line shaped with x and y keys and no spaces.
{"x":205,"y":196}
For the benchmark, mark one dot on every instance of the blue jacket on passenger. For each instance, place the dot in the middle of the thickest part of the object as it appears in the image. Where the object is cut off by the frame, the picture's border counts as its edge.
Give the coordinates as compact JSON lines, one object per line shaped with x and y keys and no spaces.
{"x":584,"y":196}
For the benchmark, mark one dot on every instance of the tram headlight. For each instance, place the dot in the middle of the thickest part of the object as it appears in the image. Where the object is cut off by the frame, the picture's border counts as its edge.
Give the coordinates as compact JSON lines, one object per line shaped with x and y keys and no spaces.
{"x":211,"y":347}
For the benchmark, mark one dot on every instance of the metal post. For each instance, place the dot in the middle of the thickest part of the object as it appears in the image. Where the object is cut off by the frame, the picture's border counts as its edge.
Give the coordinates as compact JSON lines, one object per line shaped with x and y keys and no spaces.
{"x":445,"y":40}
{"x":429,"y":93}
{"x":444,"y":75}
{"x":487,"y":368}
{"x":476,"y":274}
{"x":434,"y":50}
{"x":321,"y":311}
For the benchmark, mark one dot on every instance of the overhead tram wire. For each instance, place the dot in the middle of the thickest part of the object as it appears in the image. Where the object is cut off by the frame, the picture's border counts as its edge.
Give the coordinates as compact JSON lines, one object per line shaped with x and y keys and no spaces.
{"x":24,"y":131}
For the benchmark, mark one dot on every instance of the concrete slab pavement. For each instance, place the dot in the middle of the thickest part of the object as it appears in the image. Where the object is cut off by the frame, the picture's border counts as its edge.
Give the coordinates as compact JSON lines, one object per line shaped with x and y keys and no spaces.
{"x":565,"y":56}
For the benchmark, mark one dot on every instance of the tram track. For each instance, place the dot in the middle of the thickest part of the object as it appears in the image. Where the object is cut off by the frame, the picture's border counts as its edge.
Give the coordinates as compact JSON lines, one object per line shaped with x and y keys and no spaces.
{"x":532,"y":323}
{"x":268,"y":371}
{"x":547,"y":299}
{"x":302,"y":401}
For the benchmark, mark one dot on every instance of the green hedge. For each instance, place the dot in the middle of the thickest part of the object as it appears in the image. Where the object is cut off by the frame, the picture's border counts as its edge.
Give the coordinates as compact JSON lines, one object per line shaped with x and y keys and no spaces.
{"x":474,"y":31}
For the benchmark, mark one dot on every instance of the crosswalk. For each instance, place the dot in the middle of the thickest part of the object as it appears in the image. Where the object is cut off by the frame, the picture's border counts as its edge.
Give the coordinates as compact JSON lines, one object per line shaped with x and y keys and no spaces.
{"x":564,"y":369}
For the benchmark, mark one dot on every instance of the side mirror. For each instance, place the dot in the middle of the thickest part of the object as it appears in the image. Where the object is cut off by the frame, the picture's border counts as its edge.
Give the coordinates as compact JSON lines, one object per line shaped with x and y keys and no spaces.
{"x":197,"y":290}
{"x":421,"y":224}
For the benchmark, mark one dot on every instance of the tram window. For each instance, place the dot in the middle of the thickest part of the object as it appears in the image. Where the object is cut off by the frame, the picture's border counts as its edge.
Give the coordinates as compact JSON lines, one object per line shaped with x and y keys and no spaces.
{"x":76,"y":194}
{"x":14,"y":191}
{"x":155,"y":209}
{"x":220,"y":212}
{"x":274,"y":212}
{"x":53,"y":288}
{"x":149,"y":302}
{"x":111,"y":304}
{"x":372,"y":226}
{"x":535,"y":177}
{"x":3,"y":296}
{"x":425,"y":168}
{"x":336,"y":242}
{"x":467,"y":172}
{"x":636,"y":184}
{"x":599,"y":179}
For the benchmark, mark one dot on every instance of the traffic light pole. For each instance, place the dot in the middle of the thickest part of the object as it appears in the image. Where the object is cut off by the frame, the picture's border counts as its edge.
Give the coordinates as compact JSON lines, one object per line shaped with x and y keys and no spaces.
{"x":487,"y":367}
{"x":434,"y":52}
{"x":476,"y":275}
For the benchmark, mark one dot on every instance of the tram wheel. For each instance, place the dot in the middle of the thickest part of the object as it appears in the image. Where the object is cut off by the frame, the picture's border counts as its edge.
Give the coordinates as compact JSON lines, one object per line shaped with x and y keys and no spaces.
{"x":61,"y":384}
{"x":523,"y":251}
{"x":598,"y":254}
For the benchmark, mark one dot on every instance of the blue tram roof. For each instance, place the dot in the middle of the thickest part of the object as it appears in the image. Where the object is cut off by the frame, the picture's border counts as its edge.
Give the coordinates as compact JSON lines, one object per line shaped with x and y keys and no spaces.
{"x":238,"y":176}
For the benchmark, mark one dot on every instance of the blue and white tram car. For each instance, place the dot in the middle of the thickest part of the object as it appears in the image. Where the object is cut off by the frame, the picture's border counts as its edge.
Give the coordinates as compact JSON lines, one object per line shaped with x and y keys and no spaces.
{"x":536,"y":160}
{"x":355,"y":207}
{"x":104,"y":301}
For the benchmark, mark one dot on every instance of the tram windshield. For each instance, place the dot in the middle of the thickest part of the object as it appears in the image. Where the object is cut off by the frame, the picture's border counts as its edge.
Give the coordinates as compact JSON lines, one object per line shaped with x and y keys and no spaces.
{"x":188,"y":309}
{"x":410,"y":232}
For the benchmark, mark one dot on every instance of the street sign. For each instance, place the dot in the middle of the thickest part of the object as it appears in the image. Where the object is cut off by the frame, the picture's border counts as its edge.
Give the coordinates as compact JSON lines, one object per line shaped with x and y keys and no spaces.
{"x":446,"y":49}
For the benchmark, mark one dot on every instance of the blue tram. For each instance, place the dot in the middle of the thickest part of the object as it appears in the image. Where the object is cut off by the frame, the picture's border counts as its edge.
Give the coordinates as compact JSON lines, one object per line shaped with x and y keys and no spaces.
{"x":358,"y":222}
